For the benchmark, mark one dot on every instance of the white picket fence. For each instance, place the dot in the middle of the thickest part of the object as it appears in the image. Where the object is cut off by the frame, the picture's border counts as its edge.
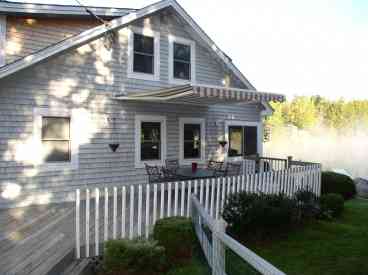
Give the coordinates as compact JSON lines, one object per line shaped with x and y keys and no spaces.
{"x":217,"y":246}
{"x":131,"y":211}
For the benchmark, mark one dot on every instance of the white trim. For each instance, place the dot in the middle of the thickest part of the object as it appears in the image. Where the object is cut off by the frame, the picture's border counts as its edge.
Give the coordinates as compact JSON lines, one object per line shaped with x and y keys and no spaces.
{"x":137,"y":138}
{"x":259,"y":126}
{"x":2,"y":39}
{"x":38,"y":113}
{"x":174,"y":39}
{"x":268,"y":111}
{"x":156,"y":53}
{"x":192,"y":120}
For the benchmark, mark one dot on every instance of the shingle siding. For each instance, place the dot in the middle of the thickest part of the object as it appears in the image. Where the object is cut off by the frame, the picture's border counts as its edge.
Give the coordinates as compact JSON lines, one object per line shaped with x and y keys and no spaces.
{"x":26,"y":35}
{"x":85,"y":79}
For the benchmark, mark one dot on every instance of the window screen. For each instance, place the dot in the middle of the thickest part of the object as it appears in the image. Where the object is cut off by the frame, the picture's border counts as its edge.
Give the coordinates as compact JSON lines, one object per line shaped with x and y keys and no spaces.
{"x":150,"y":141}
{"x":182,"y":66}
{"x":143,"y":54}
{"x":56,"y":139}
{"x":235,"y":141}
{"x":243,"y":140}
{"x":192,"y":141}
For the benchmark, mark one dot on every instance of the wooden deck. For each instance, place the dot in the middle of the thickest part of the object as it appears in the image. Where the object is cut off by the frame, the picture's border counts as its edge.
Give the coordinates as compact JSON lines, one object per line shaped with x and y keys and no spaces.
{"x":36,"y":240}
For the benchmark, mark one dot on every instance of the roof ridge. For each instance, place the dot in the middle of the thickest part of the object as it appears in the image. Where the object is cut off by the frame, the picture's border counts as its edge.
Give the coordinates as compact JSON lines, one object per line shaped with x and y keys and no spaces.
{"x":62,"y":5}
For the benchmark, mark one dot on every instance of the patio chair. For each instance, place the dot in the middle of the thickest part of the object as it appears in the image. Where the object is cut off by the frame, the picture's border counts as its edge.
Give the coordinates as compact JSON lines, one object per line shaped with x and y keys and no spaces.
{"x":172,"y":164}
{"x":154,"y":173}
{"x":169,"y":174}
{"x":232,"y":169}
{"x":214,"y":165}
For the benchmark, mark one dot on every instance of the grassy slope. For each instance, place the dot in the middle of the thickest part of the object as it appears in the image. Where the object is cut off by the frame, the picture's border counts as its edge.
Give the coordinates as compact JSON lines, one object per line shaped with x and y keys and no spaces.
{"x":327,"y":248}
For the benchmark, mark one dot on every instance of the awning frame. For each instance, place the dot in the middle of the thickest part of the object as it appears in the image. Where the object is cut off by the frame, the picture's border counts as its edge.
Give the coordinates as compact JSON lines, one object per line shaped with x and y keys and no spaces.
{"x":202,"y":95}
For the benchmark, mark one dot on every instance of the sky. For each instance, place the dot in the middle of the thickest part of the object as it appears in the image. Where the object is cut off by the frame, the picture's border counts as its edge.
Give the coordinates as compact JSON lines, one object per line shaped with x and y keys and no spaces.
{"x":293,"y":47}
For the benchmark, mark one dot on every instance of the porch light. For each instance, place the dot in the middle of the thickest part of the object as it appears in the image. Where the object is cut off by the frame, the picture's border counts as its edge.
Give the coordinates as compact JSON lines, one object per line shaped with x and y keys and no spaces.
{"x":113,"y":146}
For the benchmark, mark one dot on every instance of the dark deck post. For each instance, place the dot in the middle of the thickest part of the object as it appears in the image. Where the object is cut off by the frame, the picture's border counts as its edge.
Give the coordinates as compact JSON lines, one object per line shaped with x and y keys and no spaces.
{"x":289,"y":160}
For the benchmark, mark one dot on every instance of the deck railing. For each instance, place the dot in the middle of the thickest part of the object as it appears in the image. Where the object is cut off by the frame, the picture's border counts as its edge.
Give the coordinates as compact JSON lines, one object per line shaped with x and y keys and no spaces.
{"x":219,"y":248}
{"x":129,"y":211}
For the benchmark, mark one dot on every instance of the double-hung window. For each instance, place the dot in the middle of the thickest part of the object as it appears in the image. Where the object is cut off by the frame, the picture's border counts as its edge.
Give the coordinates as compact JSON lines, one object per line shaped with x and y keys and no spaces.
{"x":56,"y":142}
{"x":150,"y":140}
{"x":243,"y":138}
{"x":143,"y":54}
{"x":54,"y":139}
{"x":181,"y":60}
{"x":192,"y":139}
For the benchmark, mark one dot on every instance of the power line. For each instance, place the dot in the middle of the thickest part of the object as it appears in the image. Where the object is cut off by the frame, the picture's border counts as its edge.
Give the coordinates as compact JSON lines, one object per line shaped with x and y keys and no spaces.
{"x":91,"y":13}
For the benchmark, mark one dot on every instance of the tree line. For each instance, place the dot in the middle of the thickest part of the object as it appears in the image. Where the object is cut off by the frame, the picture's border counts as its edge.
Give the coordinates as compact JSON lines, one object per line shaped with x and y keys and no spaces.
{"x":308,"y":112}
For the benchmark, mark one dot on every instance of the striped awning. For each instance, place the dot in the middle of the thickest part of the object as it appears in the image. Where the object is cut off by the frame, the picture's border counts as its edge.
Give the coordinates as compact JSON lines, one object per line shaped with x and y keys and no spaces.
{"x":202,"y":95}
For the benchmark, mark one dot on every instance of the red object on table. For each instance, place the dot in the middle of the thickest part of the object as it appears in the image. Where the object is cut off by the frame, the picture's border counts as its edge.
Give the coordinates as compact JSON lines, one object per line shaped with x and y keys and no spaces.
{"x":194,"y":167}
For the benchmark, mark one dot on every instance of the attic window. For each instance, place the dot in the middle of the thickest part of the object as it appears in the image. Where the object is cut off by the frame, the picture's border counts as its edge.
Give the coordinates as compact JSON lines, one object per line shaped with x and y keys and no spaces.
{"x":143,"y":54}
{"x":181,"y":60}
{"x":143,"y":60}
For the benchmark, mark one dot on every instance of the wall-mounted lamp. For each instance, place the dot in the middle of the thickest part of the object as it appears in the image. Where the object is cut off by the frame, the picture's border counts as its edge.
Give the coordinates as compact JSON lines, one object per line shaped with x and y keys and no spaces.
{"x":112,"y":121}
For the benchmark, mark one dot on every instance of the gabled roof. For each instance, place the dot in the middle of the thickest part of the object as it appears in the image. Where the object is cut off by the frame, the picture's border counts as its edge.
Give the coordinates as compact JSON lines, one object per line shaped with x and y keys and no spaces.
{"x":99,"y":31}
{"x":54,"y":10}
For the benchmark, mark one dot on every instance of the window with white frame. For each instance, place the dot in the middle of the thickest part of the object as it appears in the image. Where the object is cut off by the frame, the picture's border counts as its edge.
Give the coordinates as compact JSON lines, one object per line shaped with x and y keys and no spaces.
{"x":55,"y":138}
{"x":53,"y":133}
{"x":192,"y":139}
{"x":181,"y":60}
{"x":150,"y":140}
{"x":143,"y":54}
{"x":244,"y":138}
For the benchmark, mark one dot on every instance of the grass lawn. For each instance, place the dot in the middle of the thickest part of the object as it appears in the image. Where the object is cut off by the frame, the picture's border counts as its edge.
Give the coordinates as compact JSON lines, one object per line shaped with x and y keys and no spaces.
{"x":323,"y":248}
{"x":328,"y":248}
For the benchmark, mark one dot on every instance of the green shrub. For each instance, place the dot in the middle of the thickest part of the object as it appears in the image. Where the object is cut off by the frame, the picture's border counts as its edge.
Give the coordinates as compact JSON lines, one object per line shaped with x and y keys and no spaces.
{"x":332,"y":205}
{"x":176,"y":235}
{"x":339,"y":184}
{"x":307,"y":204}
{"x":258,"y":215}
{"x":134,"y":257}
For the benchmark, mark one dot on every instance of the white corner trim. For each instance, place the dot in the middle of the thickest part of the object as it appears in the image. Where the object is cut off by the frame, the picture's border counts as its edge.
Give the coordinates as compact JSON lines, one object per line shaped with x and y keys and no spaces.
{"x":192,"y":44}
{"x":38,"y":113}
{"x":137,"y":137}
{"x":2,"y":39}
{"x":192,"y":120}
{"x":156,"y":51}
{"x":268,"y":111}
{"x":259,"y":126}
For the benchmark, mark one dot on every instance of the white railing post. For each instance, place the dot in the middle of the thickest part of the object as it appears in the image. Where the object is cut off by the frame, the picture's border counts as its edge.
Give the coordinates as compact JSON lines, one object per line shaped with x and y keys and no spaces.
{"x":218,"y":248}
{"x":77,"y":223}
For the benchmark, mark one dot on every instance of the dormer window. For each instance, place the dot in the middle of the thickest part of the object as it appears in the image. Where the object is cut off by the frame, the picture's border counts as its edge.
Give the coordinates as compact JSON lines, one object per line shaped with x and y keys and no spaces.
{"x":143,"y":54}
{"x":181,"y":60}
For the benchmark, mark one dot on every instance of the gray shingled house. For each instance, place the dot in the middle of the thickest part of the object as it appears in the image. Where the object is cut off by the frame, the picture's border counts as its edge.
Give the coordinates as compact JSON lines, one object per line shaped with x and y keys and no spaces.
{"x":86,"y":101}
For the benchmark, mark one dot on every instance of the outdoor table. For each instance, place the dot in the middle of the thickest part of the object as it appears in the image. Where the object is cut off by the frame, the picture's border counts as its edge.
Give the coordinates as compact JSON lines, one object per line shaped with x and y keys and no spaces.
{"x":200,"y":173}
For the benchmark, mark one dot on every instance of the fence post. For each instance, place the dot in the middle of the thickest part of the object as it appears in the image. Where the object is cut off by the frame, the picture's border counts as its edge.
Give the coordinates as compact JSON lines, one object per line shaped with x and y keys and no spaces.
{"x":218,"y":248}
{"x":289,"y":160}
